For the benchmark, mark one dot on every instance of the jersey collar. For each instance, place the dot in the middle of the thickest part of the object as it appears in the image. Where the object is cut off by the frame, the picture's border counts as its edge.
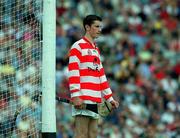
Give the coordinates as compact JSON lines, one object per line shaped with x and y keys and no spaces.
{"x":94,"y":44}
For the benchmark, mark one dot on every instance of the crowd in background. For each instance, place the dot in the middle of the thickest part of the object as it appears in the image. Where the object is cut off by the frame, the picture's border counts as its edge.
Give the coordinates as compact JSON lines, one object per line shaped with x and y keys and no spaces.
{"x":140,"y":48}
{"x":20,"y":68}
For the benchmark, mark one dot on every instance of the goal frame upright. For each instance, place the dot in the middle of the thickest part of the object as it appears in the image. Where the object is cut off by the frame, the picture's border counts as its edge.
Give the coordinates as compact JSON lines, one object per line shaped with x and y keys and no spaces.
{"x":48,"y":69}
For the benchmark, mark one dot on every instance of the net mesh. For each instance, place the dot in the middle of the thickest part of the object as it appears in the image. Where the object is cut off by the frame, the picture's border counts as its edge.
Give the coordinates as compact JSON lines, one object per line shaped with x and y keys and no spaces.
{"x":20,"y":67}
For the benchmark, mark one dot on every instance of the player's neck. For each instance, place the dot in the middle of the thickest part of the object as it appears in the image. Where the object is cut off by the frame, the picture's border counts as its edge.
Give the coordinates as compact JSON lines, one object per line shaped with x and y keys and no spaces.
{"x":89,"y":38}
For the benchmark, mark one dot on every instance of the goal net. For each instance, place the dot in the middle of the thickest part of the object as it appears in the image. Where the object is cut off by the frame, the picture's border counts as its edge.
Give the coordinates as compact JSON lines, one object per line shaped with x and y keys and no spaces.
{"x":20,"y":68}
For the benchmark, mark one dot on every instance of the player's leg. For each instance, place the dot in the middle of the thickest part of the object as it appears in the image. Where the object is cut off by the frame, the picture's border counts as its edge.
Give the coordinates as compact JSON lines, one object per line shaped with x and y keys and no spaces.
{"x":81,"y":126}
{"x":93,"y":128}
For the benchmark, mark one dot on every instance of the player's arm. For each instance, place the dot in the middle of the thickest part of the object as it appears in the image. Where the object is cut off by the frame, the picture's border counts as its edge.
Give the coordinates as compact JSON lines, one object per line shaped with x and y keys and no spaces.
{"x":74,"y":75}
{"x":107,"y":93}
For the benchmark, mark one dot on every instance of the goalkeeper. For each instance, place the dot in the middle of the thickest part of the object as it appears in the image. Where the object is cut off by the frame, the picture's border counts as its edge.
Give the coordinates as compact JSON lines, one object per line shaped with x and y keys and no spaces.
{"x":87,"y":80}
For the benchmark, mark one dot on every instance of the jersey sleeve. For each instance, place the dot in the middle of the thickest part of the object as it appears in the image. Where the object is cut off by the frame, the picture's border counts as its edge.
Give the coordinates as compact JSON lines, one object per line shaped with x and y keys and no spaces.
{"x":73,"y":67}
{"x":106,"y":90}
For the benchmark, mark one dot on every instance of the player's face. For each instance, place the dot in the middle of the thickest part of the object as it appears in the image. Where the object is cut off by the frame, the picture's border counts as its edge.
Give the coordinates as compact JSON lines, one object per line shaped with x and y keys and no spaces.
{"x":95,"y":29}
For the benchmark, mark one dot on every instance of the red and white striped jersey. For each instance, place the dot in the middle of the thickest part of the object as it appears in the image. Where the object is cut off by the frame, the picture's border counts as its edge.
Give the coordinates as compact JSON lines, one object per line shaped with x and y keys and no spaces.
{"x":87,"y":79}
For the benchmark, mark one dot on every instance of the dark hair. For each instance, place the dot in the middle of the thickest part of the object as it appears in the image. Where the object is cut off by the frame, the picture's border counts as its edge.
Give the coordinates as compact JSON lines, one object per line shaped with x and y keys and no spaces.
{"x":89,"y":20}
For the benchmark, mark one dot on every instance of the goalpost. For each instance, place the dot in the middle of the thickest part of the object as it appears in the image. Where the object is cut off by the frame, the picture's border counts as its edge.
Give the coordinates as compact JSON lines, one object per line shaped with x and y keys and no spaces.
{"x":27,"y":68}
{"x":48,"y":70}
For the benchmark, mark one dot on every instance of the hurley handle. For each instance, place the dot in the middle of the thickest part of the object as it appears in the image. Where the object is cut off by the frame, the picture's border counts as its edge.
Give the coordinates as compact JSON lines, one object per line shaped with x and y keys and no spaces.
{"x":64,"y":100}
{"x":91,"y":107}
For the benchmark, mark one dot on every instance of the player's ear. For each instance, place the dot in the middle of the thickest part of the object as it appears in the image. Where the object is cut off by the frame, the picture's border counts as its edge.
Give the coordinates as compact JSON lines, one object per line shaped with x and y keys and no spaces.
{"x":87,"y":27}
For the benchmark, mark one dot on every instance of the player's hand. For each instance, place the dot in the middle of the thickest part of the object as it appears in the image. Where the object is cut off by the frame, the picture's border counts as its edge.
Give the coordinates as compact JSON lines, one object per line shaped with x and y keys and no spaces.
{"x":77,"y":102}
{"x":114,"y":104}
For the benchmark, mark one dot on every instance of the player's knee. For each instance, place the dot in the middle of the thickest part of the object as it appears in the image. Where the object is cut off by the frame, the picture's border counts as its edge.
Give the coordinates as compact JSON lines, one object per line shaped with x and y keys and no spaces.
{"x":82,"y":135}
{"x":93,"y":133}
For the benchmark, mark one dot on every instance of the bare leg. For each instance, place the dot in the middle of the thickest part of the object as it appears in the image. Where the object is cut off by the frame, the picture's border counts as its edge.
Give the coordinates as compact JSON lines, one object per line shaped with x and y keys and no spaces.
{"x":81,"y":126}
{"x":93,"y":128}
